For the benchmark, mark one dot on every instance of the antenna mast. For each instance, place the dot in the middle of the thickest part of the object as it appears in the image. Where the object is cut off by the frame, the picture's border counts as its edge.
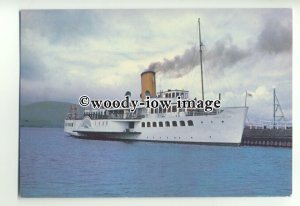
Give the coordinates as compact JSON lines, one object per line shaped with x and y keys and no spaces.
{"x":200,"y":46}
{"x":276,"y":107}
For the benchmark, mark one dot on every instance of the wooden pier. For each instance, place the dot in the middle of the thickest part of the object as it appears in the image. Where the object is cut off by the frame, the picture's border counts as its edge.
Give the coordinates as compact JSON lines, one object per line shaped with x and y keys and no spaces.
{"x":268,"y":137}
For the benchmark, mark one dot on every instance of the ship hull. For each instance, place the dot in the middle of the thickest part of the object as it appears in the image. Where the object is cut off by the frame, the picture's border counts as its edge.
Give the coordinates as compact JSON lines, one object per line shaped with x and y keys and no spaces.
{"x":225,"y":128}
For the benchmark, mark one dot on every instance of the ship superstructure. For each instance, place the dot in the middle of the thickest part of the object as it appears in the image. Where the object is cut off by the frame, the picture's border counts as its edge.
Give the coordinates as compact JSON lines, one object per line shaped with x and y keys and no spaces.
{"x":221,"y":126}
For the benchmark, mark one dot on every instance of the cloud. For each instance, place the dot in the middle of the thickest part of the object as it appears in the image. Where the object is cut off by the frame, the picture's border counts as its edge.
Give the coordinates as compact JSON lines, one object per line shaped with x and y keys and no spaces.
{"x":33,"y":68}
{"x":61,"y":26}
{"x":275,"y":37}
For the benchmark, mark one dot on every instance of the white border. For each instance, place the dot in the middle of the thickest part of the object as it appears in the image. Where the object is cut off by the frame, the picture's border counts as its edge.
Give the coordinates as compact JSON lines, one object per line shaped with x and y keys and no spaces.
{"x":9,"y":87}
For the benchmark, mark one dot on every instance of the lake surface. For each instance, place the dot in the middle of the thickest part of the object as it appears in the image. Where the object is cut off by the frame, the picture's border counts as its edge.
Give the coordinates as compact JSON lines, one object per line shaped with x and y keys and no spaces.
{"x":53,"y":164}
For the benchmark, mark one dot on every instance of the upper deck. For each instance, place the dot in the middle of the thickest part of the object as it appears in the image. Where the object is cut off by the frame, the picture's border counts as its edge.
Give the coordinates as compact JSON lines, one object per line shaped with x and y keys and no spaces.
{"x":142,"y":112}
{"x":184,"y":94}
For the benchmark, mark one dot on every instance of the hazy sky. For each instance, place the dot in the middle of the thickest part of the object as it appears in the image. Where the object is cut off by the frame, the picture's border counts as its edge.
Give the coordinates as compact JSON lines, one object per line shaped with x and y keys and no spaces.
{"x":101,"y":53}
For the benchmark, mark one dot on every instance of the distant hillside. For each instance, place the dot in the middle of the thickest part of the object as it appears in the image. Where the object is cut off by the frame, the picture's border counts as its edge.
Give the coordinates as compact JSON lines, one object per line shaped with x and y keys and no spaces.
{"x":44,"y":114}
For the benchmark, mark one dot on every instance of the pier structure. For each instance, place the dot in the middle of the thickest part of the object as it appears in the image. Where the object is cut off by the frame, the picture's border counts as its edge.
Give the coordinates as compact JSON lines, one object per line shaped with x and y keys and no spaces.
{"x":275,"y":133}
{"x":266,"y":133}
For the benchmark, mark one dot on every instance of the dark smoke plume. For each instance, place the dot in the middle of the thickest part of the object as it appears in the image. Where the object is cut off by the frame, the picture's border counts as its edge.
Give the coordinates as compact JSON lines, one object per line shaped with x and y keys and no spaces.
{"x":225,"y":54}
{"x":179,"y":65}
{"x":274,"y":38}
{"x":221,"y":55}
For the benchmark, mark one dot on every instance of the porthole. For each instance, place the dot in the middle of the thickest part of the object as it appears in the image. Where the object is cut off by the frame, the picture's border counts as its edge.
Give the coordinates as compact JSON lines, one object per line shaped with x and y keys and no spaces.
{"x":182,"y":123}
{"x":174,"y":123}
{"x":167,"y":124}
{"x":190,"y":123}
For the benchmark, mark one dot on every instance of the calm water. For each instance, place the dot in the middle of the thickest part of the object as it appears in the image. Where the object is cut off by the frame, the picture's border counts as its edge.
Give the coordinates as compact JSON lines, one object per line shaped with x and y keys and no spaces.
{"x":53,"y":164}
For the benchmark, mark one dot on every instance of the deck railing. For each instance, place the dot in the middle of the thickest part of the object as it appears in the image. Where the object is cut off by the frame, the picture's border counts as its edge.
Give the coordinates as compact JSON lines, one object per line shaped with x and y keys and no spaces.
{"x":269,"y":125}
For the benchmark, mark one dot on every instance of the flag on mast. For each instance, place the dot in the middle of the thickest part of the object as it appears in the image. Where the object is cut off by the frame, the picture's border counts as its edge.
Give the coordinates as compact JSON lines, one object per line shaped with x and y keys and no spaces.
{"x":247,"y":95}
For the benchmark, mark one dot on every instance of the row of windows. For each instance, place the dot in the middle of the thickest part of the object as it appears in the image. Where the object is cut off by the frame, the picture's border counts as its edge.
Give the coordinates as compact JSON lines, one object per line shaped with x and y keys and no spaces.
{"x":103,"y":122}
{"x":167,"y":124}
{"x":174,"y":123}
{"x":176,"y":94}
{"x":161,"y":110}
{"x":69,"y":124}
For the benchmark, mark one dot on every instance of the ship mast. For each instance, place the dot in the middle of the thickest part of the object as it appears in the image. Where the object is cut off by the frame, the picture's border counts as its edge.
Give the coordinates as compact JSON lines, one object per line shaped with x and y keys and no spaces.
{"x":200,"y":47}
